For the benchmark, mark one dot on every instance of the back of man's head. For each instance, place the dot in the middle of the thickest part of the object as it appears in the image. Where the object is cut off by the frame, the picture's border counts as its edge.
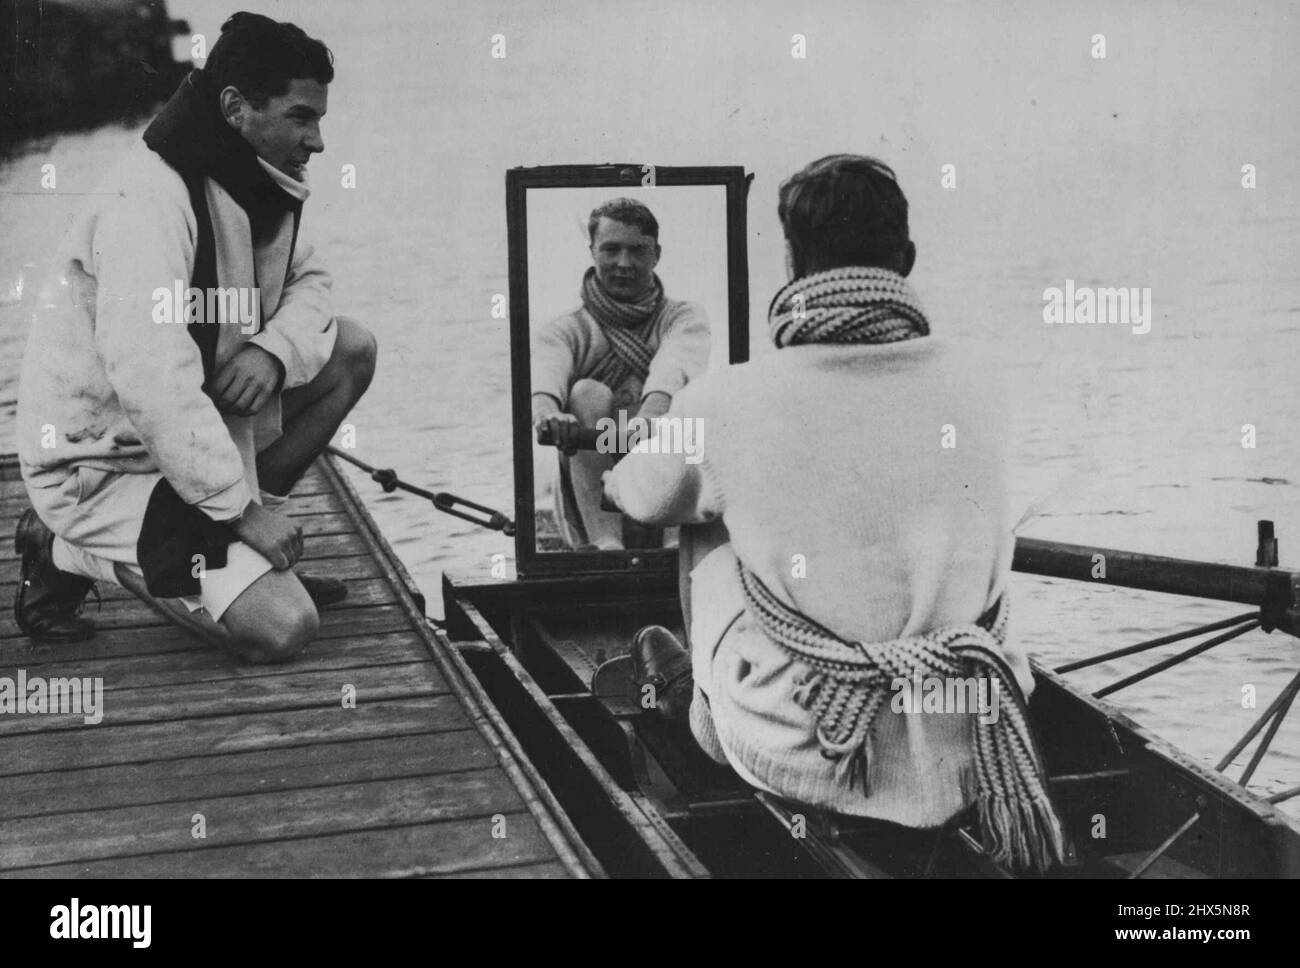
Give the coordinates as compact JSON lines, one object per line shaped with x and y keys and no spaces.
{"x":626,"y":210}
{"x":845,"y":210}
{"x":260,"y":56}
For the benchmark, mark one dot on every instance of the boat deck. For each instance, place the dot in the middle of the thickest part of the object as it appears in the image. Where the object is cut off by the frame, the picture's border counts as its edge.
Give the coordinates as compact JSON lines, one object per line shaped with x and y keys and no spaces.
{"x":206,"y":766}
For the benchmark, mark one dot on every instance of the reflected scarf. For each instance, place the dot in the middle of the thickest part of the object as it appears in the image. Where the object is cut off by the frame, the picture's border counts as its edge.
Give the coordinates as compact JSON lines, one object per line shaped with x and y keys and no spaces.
{"x":847,"y":683}
{"x":627,"y":327}
{"x":852,"y":304}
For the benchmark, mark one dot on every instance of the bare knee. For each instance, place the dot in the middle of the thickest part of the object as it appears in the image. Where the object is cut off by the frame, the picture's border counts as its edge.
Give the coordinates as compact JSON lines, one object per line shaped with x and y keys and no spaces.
{"x":589,"y":401}
{"x":358,"y":350}
{"x":281,"y":638}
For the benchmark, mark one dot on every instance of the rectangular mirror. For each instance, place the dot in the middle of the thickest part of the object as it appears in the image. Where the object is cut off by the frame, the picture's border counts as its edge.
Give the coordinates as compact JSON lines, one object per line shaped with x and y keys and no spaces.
{"x":626,"y":282}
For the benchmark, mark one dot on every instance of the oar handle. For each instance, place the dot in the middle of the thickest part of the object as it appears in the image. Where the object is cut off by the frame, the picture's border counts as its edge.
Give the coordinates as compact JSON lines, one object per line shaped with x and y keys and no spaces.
{"x":587,"y":438}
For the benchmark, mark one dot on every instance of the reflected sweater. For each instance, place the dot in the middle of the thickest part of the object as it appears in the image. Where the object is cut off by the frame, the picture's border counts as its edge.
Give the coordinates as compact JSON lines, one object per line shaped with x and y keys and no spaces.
{"x":567,"y":349}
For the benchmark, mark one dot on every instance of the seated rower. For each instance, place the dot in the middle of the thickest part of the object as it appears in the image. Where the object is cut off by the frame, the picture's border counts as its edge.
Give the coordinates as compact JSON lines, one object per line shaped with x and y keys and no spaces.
{"x":628,"y":348}
{"x":849,"y":551}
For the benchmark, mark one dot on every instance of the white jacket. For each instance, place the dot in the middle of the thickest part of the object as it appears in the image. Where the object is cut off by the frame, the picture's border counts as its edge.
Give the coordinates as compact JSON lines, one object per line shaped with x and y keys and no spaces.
{"x":104,"y":385}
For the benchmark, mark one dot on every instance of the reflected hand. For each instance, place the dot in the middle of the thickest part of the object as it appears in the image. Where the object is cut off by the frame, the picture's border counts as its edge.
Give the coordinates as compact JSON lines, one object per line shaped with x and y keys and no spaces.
{"x":564,"y":429}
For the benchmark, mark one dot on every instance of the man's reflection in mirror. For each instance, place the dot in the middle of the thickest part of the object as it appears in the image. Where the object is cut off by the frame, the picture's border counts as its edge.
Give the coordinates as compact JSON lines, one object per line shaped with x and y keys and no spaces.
{"x":627,"y":348}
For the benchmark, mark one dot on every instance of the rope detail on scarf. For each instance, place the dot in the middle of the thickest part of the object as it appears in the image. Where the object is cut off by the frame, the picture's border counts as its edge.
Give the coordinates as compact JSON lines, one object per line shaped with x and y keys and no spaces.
{"x":627,"y":327}
{"x":852,"y":304}
{"x":847,"y":683}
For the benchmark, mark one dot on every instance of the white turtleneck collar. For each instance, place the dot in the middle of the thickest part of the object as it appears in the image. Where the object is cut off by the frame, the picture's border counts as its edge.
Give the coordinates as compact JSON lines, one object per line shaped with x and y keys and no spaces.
{"x":298,"y":189}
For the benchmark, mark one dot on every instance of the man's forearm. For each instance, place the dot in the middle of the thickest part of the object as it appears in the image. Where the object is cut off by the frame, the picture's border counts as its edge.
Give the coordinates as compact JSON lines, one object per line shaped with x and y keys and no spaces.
{"x":545,"y":405}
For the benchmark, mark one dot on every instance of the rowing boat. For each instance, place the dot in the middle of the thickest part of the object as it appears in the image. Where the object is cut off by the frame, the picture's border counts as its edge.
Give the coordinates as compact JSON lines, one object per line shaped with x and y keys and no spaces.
{"x":650,"y":803}
{"x":550,"y":648}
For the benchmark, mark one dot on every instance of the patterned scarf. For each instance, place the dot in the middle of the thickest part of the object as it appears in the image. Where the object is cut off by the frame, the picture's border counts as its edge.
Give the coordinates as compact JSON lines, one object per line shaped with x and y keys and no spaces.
{"x":846,"y":684}
{"x":627,"y":327}
{"x":852,"y":304}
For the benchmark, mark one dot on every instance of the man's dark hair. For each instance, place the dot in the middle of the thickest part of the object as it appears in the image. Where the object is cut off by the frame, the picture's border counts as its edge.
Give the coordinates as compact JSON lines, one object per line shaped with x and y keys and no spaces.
{"x":844,"y":210}
{"x":626,"y":210}
{"x":260,"y":56}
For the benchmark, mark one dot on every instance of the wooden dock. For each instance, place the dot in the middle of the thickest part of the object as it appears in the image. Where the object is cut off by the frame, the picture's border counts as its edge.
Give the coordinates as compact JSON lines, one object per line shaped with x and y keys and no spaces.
{"x":204,"y":766}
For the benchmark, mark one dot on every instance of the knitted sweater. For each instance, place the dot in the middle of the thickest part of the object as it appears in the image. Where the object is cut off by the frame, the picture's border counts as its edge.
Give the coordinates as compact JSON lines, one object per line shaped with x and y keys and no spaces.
{"x":825,"y":463}
{"x":123,"y":392}
{"x":568,"y":348}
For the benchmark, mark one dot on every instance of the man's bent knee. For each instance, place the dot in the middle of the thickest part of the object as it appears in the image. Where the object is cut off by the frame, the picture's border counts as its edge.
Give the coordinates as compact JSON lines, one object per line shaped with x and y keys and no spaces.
{"x":589,"y":401}
{"x":358,"y":350}
{"x":274,"y":618}
{"x":282,"y":639}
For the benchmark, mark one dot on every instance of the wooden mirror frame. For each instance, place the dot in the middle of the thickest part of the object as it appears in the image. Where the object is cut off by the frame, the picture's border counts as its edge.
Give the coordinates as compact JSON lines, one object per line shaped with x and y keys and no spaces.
{"x":530,"y":562}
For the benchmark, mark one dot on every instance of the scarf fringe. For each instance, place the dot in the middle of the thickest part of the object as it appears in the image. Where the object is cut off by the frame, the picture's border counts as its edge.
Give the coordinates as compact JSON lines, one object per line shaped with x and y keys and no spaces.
{"x":1019,"y":833}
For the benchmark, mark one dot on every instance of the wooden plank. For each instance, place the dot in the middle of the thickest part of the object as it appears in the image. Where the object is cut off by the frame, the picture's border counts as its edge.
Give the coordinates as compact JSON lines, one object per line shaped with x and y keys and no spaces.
{"x":258,"y":771}
{"x":292,"y":689}
{"x":289,"y":780}
{"x":526,"y":872}
{"x":133,"y":613}
{"x":321,"y":502}
{"x":144,"y":742}
{"x":447,"y":847}
{"x":1166,"y":868}
{"x":253,"y":818}
{"x":316,"y":546}
{"x":344,"y":569}
{"x":163,"y":638}
{"x":384,"y":649}
{"x":312,"y":482}
{"x":324,"y":503}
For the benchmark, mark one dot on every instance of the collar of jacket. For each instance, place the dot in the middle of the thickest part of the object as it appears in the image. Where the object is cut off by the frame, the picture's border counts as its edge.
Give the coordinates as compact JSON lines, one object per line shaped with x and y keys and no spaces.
{"x":190,"y":135}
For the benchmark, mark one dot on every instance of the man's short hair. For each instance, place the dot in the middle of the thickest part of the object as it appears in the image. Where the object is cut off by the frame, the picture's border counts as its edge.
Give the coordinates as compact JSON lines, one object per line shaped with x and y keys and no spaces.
{"x":844,"y":210}
{"x":626,"y":210}
{"x":260,"y":57}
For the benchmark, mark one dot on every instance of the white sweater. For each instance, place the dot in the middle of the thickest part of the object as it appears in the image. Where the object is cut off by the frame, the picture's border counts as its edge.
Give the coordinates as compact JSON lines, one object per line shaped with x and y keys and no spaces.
{"x":827,"y":462}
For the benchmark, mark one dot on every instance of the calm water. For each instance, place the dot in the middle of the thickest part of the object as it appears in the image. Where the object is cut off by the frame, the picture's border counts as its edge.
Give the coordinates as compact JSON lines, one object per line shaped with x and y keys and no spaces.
{"x":1117,"y":172}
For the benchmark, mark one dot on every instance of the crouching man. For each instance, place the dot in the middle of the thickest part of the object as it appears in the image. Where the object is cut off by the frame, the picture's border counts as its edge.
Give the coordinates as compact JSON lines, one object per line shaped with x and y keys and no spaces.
{"x":856,"y":551}
{"x":185,"y":366}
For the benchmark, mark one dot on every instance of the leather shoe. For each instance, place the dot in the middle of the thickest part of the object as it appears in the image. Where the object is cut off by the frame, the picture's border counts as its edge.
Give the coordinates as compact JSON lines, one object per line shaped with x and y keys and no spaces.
{"x":660,"y":661}
{"x":47,"y":603}
{"x":323,"y":591}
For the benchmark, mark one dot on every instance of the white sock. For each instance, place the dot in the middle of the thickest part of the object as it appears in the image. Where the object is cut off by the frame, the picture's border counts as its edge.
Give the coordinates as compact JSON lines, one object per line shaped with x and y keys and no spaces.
{"x":273,"y":502}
